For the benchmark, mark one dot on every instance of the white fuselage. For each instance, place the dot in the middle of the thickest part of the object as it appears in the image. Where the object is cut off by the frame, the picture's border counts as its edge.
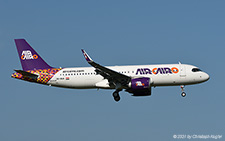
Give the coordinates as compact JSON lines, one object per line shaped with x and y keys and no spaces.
{"x":161,"y":75}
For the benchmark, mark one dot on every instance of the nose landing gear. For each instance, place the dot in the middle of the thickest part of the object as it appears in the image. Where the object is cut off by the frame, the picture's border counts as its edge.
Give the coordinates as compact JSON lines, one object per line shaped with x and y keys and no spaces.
{"x":183,"y":94}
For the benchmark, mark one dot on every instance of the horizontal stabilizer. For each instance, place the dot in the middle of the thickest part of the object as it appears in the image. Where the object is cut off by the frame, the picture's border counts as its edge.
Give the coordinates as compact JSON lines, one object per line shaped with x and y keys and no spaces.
{"x":27,"y":74}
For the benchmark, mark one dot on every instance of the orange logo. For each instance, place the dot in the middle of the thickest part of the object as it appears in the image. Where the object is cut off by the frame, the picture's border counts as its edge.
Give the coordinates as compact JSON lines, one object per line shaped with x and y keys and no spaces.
{"x":35,"y":56}
{"x":175,"y":70}
{"x":154,"y":70}
{"x":22,"y":57}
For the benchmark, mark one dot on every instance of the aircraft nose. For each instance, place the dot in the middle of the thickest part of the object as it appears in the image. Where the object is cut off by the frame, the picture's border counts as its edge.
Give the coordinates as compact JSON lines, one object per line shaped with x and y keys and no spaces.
{"x":205,"y":77}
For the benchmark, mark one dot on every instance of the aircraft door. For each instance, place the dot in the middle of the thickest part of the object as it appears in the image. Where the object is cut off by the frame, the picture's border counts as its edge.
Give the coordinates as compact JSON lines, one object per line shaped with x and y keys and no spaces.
{"x":182,"y":70}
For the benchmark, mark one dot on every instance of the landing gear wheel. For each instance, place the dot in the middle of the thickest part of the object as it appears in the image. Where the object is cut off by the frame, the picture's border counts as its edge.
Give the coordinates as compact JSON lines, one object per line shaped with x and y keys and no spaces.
{"x":116,"y":96}
{"x":183,"y":94}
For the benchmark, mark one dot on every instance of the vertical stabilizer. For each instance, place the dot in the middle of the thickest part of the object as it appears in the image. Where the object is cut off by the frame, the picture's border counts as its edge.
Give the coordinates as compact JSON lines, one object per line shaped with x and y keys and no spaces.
{"x":29,"y":58}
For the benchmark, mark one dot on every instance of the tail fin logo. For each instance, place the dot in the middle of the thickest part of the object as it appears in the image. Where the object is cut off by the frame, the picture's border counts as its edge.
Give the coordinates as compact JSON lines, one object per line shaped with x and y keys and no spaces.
{"x":27,"y":55}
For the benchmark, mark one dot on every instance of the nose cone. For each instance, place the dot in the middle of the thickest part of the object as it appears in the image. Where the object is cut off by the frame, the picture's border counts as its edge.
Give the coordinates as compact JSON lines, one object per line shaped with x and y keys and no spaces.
{"x":205,"y":77}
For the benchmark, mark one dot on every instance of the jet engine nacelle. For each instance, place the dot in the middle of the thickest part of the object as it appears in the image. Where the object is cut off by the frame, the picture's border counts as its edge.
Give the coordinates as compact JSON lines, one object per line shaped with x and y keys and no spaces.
{"x":140,"y":86}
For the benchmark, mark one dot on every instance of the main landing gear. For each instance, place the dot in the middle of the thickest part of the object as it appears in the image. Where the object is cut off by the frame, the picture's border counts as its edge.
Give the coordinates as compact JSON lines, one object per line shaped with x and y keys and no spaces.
{"x":183,"y":94}
{"x":116,"y":96}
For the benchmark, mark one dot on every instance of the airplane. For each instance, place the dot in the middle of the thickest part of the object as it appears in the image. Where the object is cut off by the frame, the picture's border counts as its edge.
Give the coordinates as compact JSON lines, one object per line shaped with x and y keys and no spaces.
{"x":137,"y":80}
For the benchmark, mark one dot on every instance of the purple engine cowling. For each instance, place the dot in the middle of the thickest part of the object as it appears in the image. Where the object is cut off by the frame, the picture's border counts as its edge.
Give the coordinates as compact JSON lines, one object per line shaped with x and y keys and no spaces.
{"x":140,"y":86}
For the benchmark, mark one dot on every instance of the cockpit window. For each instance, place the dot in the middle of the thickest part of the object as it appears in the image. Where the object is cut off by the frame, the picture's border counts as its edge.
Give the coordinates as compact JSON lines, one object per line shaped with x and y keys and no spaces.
{"x":196,"y":69}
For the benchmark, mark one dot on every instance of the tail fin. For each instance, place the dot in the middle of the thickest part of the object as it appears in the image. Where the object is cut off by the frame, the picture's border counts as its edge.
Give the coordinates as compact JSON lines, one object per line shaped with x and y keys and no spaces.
{"x":29,"y":58}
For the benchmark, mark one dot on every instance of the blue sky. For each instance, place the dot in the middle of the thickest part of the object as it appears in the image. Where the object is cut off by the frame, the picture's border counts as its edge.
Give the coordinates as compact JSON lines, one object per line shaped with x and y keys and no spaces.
{"x":113,"y":33}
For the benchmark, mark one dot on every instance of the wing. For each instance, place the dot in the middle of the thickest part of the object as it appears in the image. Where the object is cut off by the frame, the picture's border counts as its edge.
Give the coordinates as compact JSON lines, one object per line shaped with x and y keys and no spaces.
{"x":113,"y":77}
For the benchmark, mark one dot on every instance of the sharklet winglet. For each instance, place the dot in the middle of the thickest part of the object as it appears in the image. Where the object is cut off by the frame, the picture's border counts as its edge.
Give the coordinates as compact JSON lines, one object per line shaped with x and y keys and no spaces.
{"x":86,"y":56}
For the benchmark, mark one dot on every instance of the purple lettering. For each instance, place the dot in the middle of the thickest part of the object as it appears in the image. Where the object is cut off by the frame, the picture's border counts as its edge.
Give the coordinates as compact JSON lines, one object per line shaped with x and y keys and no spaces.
{"x":159,"y":70}
{"x":138,"y":71}
{"x":142,"y":70}
{"x":147,"y":71}
{"x":168,"y":70}
{"x":163,"y":71}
